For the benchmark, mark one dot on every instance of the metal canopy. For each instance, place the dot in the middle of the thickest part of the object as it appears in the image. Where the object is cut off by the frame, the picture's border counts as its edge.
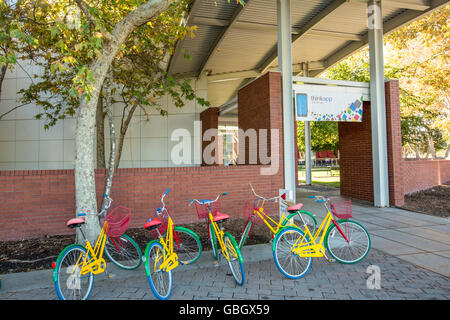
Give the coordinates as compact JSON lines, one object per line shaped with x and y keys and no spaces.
{"x":234,"y":44}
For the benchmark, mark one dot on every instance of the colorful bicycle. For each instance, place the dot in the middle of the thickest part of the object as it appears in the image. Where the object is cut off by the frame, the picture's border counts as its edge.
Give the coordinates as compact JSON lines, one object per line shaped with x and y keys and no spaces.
{"x":175,"y":245}
{"x":209,"y":210}
{"x":346,"y":240}
{"x":256,"y":214}
{"x":76,"y":265}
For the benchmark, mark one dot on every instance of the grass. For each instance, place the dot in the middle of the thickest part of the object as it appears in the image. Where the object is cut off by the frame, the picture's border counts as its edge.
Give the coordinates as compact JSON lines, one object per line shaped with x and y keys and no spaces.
{"x":322,"y":176}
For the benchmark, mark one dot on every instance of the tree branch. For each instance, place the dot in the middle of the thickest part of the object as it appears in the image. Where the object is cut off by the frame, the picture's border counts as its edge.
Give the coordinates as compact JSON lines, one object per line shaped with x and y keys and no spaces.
{"x":84,"y":7}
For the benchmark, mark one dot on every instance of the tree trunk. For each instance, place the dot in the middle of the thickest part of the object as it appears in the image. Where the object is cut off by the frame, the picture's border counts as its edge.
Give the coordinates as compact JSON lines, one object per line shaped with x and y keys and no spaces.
{"x":85,"y":193}
{"x":112,"y":155}
{"x":123,"y":132}
{"x":100,"y":135}
{"x":431,"y":148}
{"x":447,"y":152}
{"x":3,"y":70}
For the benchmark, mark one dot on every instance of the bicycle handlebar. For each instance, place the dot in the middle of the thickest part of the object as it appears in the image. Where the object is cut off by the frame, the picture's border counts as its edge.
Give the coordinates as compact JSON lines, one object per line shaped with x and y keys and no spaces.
{"x":101,"y":212}
{"x":260,"y":197}
{"x":191,"y":201}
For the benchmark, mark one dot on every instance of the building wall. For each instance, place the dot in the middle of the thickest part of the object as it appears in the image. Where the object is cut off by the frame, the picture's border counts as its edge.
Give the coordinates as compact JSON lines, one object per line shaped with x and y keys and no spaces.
{"x":40,"y":202}
{"x":26,"y":145}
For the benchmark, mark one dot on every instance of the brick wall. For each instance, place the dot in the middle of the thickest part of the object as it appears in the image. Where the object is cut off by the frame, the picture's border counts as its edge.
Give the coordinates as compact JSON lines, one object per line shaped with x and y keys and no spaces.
{"x":424,"y":174}
{"x":39,"y":202}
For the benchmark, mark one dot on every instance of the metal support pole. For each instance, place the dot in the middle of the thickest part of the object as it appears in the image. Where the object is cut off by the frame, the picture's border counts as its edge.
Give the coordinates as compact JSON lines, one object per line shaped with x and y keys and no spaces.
{"x":378,"y":105}
{"x":285,"y":67}
{"x":308,"y":167}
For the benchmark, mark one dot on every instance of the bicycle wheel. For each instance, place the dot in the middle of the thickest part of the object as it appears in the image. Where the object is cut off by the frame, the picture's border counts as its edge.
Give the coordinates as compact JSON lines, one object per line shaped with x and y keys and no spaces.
{"x":187,"y":245}
{"x":289,"y":263}
{"x":355,"y":249}
{"x":302,"y":218}
{"x":213,"y":240}
{"x":236,"y":262}
{"x":70,"y":284}
{"x":123,"y":252}
{"x":248,"y":227}
{"x":160,"y":281}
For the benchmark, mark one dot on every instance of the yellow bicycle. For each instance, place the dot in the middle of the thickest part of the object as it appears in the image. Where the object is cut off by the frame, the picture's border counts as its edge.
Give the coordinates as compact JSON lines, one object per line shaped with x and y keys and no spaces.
{"x":346,"y":240}
{"x":179,"y":245}
{"x":208,"y":209}
{"x":296,"y":217}
{"x":74,"y":270}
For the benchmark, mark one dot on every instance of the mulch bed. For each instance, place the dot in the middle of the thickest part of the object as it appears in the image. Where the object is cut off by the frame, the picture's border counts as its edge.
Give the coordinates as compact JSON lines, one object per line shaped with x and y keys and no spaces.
{"x":433,"y":201}
{"x":38,"y":254}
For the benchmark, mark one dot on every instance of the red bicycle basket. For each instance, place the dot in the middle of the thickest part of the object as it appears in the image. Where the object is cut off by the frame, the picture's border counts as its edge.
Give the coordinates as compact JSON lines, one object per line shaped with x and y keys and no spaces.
{"x":341,"y":208}
{"x":203,"y":211}
{"x":249,"y":211}
{"x":118,"y":221}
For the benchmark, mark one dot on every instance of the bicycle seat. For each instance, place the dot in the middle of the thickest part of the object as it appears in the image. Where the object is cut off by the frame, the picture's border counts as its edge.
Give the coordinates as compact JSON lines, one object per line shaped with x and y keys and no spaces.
{"x":220,"y":217}
{"x":295,"y":207}
{"x":152,"y":224}
{"x":75,"y":222}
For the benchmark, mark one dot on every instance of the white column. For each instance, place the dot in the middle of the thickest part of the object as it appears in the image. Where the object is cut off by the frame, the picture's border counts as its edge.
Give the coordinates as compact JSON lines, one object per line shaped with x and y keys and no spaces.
{"x":285,"y":67}
{"x":378,"y":105}
{"x":307,"y":140}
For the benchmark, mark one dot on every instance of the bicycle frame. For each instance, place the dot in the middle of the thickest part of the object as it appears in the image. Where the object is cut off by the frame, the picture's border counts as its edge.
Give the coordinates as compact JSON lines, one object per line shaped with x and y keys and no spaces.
{"x":96,"y":263}
{"x":170,"y":258}
{"x":264,"y":217}
{"x":313,"y":248}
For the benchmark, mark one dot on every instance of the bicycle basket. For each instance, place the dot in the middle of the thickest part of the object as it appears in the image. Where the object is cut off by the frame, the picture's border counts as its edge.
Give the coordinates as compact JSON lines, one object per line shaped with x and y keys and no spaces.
{"x":249,"y":211}
{"x":341,"y":208}
{"x":118,"y":221}
{"x":203,"y":209}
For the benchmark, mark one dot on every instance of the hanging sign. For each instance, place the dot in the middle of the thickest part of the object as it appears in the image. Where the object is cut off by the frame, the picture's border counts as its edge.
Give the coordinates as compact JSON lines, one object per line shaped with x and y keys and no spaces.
{"x":327,"y":103}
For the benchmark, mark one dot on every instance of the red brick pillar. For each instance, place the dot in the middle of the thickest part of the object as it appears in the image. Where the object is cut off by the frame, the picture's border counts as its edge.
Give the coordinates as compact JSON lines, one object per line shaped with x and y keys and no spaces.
{"x":355,"y":163}
{"x":260,"y":108}
{"x":394,"y":144}
{"x":210,"y":120}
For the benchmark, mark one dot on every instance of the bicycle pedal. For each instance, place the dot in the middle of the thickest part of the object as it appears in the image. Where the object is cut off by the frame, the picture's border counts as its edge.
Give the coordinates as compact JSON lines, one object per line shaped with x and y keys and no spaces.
{"x":216,"y":263}
{"x":331,"y":260}
{"x":111,"y":276}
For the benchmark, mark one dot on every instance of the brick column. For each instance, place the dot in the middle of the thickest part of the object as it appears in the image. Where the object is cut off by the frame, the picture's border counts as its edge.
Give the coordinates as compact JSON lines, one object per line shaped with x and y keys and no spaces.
{"x":210,"y":120}
{"x":260,"y":108}
{"x":355,"y":164}
{"x":394,"y":144}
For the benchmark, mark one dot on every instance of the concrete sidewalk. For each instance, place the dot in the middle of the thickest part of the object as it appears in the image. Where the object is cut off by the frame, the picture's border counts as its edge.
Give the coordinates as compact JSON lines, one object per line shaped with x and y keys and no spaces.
{"x":420,"y":239}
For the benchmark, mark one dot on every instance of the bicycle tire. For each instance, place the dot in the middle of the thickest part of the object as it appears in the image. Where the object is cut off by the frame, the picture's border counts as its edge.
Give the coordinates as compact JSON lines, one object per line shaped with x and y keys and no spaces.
{"x":213,"y":240}
{"x":348,"y":252}
{"x":155,"y":277}
{"x":247,"y":229}
{"x":236,"y":261}
{"x":308,"y":218}
{"x":288,"y":263}
{"x":66,"y":260}
{"x":124,"y":252}
{"x":187,"y":245}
